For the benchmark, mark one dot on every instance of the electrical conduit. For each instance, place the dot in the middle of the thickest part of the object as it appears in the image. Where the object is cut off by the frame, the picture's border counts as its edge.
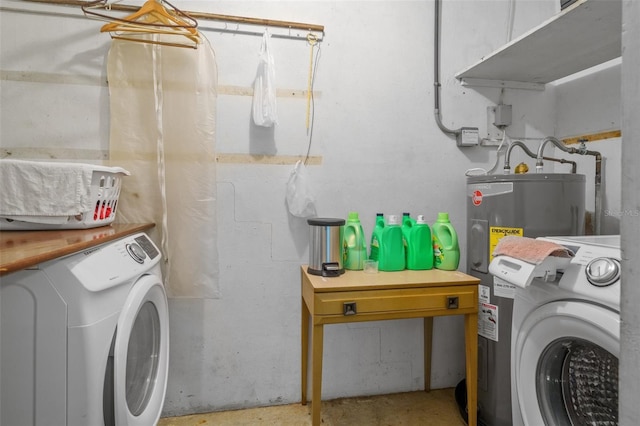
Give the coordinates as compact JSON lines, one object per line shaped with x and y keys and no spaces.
{"x":436,"y":73}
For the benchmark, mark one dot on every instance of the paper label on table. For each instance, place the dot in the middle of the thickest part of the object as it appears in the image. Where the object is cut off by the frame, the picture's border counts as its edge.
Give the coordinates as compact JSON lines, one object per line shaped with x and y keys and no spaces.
{"x":488,"y":321}
{"x":503,"y":288}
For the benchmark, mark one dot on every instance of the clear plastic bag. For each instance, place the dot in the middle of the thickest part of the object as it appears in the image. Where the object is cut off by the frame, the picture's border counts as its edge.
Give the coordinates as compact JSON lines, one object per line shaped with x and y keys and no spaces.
{"x":264,"y":87}
{"x":300,"y":200}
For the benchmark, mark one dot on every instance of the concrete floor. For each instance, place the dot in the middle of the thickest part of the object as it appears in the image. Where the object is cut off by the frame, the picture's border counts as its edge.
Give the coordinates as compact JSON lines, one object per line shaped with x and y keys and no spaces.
{"x":435,"y":408}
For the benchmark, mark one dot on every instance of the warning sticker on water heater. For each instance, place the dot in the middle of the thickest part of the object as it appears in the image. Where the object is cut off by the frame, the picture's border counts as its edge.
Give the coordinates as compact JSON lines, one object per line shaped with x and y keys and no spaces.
{"x":488,"y":321}
{"x":487,"y":314}
{"x":497,"y":232}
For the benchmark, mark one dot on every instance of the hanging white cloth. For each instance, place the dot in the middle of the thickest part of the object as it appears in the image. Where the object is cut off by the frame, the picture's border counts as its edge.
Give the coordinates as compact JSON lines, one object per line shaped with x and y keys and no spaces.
{"x":163,"y":110}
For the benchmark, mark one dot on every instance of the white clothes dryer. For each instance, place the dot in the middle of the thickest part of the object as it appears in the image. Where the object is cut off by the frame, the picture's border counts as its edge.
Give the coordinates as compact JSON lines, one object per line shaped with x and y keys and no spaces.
{"x":85,"y":338}
{"x":566,"y":339}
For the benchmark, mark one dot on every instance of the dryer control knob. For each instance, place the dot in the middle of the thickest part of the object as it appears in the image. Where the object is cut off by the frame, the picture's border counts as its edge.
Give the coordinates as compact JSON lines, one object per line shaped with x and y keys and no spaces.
{"x":603,"y":271}
{"x":136,"y":252}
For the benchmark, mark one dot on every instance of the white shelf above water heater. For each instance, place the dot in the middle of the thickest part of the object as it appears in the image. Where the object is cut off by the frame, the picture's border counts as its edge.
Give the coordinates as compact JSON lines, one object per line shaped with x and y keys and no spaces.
{"x":585,"y":34}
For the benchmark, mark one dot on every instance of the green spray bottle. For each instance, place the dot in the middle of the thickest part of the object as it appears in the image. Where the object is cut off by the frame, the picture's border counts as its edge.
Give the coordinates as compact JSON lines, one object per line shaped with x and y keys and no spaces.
{"x":355,"y":247}
{"x":446,"y":250}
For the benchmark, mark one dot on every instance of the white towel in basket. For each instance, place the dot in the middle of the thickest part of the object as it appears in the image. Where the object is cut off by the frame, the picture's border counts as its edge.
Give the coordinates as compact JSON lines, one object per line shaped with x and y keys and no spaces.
{"x":35,"y":188}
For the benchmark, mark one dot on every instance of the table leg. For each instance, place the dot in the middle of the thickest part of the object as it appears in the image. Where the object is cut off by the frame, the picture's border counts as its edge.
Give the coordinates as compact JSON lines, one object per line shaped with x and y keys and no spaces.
{"x":428,"y":343}
{"x":304,"y":350}
{"x":316,"y":373}
{"x":471,"y":350}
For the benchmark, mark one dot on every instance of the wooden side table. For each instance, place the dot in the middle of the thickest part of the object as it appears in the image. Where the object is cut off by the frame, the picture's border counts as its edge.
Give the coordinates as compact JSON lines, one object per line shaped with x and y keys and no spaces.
{"x":356,"y":296}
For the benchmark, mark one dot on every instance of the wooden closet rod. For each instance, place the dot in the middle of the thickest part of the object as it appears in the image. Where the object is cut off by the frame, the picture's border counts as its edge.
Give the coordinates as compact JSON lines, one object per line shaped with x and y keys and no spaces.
{"x":203,"y":15}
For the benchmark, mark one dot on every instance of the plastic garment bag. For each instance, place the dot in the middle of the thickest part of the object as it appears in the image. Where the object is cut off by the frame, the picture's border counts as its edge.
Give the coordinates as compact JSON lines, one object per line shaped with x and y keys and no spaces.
{"x":300,"y":199}
{"x":264,"y":87}
{"x":162,"y":129}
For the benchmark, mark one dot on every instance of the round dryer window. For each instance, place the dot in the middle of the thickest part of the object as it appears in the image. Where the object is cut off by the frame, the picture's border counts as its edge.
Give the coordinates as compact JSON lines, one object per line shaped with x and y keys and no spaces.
{"x":565,"y":365}
{"x":578,"y":383}
{"x":142,"y":358}
{"x":141,"y":354}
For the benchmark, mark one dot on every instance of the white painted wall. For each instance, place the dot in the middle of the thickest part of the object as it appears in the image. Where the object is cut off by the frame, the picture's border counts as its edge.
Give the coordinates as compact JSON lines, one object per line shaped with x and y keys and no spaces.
{"x":586,"y":103}
{"x":381,"y":152}
{"x":630,"y":229}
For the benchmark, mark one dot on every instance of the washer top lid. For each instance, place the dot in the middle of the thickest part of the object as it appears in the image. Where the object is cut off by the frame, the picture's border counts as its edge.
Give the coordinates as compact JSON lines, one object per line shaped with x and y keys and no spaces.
{"x":610,"y":241}
{"x":317,"y":221}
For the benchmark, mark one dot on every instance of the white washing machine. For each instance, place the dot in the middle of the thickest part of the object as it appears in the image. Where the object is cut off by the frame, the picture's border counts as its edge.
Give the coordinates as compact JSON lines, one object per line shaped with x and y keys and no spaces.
{"x":85,"y":339}
{"x":566,"y":337}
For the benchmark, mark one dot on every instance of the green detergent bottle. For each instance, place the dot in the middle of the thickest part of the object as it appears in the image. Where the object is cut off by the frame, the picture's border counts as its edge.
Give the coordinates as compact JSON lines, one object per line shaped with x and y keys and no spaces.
{"x":391,"y":255}
{"x":407,"y":224}
{"x":446,"y":250}
{"x":420,"y":246}
{"x":355,"y":248}
{"x":376,"y":235}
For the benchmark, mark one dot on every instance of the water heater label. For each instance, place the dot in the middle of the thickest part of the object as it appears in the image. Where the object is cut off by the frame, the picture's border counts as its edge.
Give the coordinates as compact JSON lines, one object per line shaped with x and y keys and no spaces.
{"x":488,"y":321}
{"x":497,"y":232}
{"x":484,"y":293}
{"x":502,"y":288}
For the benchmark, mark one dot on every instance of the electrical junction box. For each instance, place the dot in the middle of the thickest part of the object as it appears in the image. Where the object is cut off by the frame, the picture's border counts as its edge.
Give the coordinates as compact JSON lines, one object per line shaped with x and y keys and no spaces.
{"x":502,"y":116}
{"x":468,"y":136}
{"x":498,"y":117}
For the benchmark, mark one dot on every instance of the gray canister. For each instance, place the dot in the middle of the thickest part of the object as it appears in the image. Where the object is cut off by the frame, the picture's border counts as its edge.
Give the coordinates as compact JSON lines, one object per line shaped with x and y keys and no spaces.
{"x":325,"y":247}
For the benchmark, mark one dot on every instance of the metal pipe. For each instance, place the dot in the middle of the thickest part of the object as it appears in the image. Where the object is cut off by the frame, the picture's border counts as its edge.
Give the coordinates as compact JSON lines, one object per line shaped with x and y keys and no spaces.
{"x":436,"y":73}
{"x":574,"y":165}
{"x":556,"y":142}
{"x":598,"y":189}
{"x":193,"y":14}
{"x":507,"y":158}
{"x":598,"y":172}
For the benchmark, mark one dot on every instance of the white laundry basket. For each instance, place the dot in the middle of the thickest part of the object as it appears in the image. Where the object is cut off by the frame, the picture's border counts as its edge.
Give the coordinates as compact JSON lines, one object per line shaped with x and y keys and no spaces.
{"x":95,"y":191}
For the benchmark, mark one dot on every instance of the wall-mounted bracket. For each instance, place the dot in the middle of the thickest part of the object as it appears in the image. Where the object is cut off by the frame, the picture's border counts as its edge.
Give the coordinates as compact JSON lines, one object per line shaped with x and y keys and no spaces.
{"x":501,"y":84}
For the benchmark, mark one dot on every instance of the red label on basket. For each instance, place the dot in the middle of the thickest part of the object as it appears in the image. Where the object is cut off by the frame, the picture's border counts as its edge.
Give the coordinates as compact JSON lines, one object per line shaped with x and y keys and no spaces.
{"x":476,"y":198}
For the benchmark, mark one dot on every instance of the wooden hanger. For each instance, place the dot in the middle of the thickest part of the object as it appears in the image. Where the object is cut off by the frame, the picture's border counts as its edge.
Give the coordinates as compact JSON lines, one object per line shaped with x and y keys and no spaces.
{"x":151,"y":18}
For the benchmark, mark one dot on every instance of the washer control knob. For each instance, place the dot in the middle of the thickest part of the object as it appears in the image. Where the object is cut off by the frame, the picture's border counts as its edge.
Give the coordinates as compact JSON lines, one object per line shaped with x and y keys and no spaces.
{"x":136,"y":252}
{"x":603,"y":271}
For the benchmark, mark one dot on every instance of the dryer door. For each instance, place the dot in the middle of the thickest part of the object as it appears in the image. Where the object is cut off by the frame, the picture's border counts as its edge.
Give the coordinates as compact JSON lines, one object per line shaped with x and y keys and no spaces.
{"x":566,"y":364}
{"x":141,"y":354}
